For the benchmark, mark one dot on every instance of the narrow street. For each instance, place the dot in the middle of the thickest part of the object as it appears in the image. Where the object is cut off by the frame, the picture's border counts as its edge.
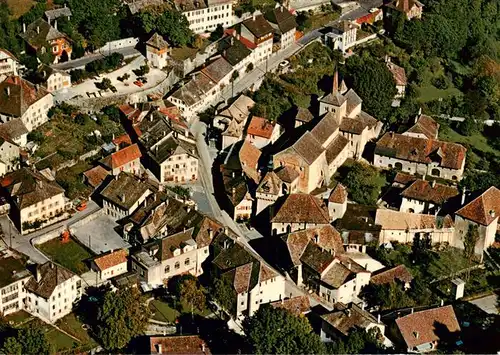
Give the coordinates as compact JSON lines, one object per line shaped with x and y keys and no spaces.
{"x":80,"y":62}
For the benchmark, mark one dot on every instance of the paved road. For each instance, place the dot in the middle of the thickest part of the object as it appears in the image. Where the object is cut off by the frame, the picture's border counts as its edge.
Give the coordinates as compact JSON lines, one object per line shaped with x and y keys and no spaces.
{"x":80,"y":62}
{"x":23,"y":243}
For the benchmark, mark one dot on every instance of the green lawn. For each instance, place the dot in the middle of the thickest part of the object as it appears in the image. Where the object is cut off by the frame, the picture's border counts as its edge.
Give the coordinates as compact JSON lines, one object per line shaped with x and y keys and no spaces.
{"x":18,"y":318}
{"x":321,"y":19}
{"x":69,"y":254}
{"x":71,"y":180}
{"x":430,"y":92}
{"x":477,"y":140}
{"x":59,"y":340}
{"x":163,"y":312}
{"x":73,"y":326}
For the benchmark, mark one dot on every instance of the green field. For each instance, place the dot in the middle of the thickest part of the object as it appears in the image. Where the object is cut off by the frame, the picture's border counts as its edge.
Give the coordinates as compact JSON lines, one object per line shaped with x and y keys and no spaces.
{"x":477,"y":140}
{"x":430,"y":92}
{"x":163,"y":312}
{"x":69,"y":254}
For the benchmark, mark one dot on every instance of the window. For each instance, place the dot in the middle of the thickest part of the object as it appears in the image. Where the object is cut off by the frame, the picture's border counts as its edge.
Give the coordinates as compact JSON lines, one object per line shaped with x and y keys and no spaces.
{"x":177,"y":265}
{"x":186,"y":262}
{"x":167,"y":269}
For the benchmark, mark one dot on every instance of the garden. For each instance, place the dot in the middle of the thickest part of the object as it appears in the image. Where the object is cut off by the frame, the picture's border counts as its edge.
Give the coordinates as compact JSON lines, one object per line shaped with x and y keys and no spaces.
{"x":70,"y":254}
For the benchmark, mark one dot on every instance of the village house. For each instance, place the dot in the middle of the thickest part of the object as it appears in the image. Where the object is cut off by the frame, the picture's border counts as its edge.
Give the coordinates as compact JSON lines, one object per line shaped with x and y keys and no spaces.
{"x":110,"y":264}
{"x":14,"y":278}
{"x":235,"y":51}
{"x":21,"y":99}
{"x":203,"y":89}
{"x":342,"y":36}
{"x":418,"y":332}
{"x":283,"y":23}
{"x":257,"y":34}
{"x":302,"y":116}
{"x":399,"y":75}
{"x":410,"y":8}
{"x":9,"y":155}
{"x":261,"y":132}
{"x":8,"y":63}
{"x":483,"y":212}
{"x":420,"y":156}
{"x":55,"y":14}
{"x":177,"y":344}
{"x":41,"y":38}
{"x":164,"y":213}
{"x":239,"y":175}
{"x":253,"y":282}
{"x":136,"y":6}
{"x":175,"y":254}
{"x":425,"y":127}
{"x":206,"y":15}
{"x":123,"y":195}
{"x":404,"y":227}
{"x":389,"y":276}
{"x":337,"y":202}
{"x":344,"y":319}
{"x":52,"y":79}
{"x":232,"y":120}
{"x":298,"y":211}
{"x":269,"y":190}
{"x":157,"y":51}
{"x":35,"y":200}
{"x":424,"y":196}
{"x":126,"y":159}
{"x":52,"y":292}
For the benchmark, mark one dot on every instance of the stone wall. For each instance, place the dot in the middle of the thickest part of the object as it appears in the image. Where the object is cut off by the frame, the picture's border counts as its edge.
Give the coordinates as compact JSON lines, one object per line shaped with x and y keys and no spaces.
{"x":118,"y":44}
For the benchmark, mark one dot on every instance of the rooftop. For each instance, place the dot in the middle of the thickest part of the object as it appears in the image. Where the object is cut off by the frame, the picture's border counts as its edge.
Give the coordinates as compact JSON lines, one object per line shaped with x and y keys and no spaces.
{"x":400,"y":273}
{"x":427,"y":191}
{"x":398,"y":73}
{"x":483,"y":209}
{"x":218,"y":69}
{"x":28,"y":187}
{"x":49,"y":276}
{"x":56,"y":13}
{"x":125,"y":190}
{"x":122,"y":157}
{"x":261,"y":127}
{"x":17,"y":95}
{"x":157,"y":41}
{"x":12,"y":268}
{"x":421,"y":150}
{"x":339,"y":194}
{"x":178,"y":344}
{"x":296,"y":305}
{"x":282,"y":18}
{"x":39,"y":33}
{"x":258,"y":26}
{"x":96,"y":175}
{"x":346,"y":318}
{"x":396,"y":220}
{"x":420,"y":327}
{"x":110,"y":259}
{"x":301,"y":208}
{"x":425,"y":125}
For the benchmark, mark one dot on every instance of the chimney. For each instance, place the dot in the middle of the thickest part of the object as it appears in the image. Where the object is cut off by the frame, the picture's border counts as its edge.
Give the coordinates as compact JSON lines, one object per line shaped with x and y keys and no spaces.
{"x":464,"y":191}
{"x":253,"y":16}
{"x":38,"y":275}
{"x":412,"y":310}
{"x":203,"y":347}
{"x":392,"y":134}
{"x":492,"y":213}
{"x":316,"y":238}
{"x":335,"y":88}
{"x":122,"y":197}
{"x":51,"y":265}
{"x":55,"y":24}
{"x":8,"y":90}
{"x":159,"y":348}
{"x":378,"y":318}
{"x":24,"y":27}
{"x":416,"y":334}
{"x":433,"y":183}
{"x":349,"y":265}
{"x":38,"y":29}
{"x":442,"y":302}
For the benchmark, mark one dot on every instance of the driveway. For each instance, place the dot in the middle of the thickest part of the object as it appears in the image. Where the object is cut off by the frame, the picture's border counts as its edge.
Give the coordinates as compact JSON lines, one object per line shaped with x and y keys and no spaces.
{"x":81,"y":62}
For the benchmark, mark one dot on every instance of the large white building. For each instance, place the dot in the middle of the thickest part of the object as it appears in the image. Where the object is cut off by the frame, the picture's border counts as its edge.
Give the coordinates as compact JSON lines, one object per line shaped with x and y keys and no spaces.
{"x":8,"y":63}
{"x":13,"y":281}
{"x":284,"y":25}
{"x":342,"y":36}
{"x":52,"y":292}
{"x":35,"y":200}
{"x":206,"y":15}
{"x":21,"y":99}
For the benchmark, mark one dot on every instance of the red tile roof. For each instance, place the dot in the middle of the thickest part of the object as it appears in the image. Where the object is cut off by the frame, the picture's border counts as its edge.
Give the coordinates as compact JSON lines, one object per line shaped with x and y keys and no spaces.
{"x":261,"y":127}
{"x":123,"y":139}
{"x":296,"y":305}
{"x":17,"y":95}
{"x":122,"y":157}
{"x":420,"y":327}
{"x":96,"y":175}
{"x":242,"y":278}
{"x":302,"y":208}
{"x":398,"y":73}
{"x":249,"y":157}
{"x":339,"y":194}
{"x":178,"y":344}
{"x":426,"y":126}
{"x":484,"y":209}
{"x":111,"y":259}
{"x":421,"y":150}
{"x":427,"y":191}
{"x":399,"y":272}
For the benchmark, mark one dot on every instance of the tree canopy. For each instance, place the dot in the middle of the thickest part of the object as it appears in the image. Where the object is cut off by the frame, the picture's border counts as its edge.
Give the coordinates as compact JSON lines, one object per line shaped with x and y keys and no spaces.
{"x":121,"y":316}
{"x":373,"y":82}
{"x":29,"y":340}
{"x":363,"y":182}
{"x":170,"y":23}
{"x":277,"y":331}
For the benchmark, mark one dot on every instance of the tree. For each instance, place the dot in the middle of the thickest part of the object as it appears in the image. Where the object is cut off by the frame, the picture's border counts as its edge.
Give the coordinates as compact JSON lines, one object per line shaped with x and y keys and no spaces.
{"x":105,"y":84}
{"x":470,"y":240}
{"x":30,"y":340}
{"x":360,"y":341}
{"x":234,"y":76}
{"x":373,"y":82}
{"x":217,"y":33}
{"x":224,"y":294}
{"x":170,"y":23}
{"x":363,"y":182}
{"x":277,"y":331}
{"x":121,"y":316}
{"x":249,"y":67}
{"x":192,"y":294}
